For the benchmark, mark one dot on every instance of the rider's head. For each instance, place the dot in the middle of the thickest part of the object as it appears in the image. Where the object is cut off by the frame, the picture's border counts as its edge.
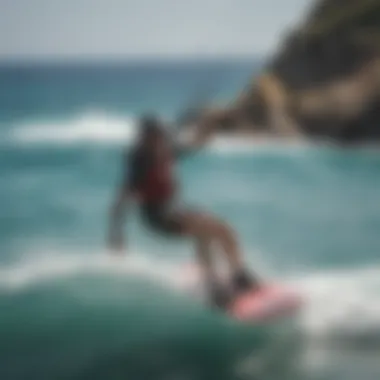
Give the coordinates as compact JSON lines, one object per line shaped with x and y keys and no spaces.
{"x":151,"y":130}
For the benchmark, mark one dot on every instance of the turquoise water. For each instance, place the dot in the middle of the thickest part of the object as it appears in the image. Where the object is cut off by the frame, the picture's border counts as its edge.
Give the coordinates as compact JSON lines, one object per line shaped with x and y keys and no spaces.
{"x":307,"y":215}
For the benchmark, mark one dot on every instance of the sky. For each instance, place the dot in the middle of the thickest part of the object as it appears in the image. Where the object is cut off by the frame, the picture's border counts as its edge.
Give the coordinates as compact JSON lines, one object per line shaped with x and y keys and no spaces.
{"x":138,"y":28}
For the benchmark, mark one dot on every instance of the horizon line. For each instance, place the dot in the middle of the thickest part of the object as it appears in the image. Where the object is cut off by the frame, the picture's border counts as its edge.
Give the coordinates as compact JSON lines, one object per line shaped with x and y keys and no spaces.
{"x":132,"y":59}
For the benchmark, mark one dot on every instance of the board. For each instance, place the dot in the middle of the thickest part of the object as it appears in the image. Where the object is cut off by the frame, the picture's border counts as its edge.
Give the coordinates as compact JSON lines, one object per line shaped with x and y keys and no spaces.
{"x":274,"y":301}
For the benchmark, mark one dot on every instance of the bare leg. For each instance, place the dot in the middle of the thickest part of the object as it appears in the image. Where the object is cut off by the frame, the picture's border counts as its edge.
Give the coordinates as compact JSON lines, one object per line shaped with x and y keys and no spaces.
{"x":217,"y":294}
{"x":207,"y":229}
{"x":226,"y":238}
{"x":203,"y":252}
{"x":228,"y":241}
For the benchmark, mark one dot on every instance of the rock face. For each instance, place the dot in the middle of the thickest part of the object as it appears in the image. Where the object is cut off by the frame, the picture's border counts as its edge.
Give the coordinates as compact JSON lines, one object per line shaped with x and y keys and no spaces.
{"x":325,"y":81}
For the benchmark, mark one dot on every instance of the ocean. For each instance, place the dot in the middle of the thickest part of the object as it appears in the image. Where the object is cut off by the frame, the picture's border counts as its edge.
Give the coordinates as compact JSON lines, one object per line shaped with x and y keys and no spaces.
{"x":306,"y":214}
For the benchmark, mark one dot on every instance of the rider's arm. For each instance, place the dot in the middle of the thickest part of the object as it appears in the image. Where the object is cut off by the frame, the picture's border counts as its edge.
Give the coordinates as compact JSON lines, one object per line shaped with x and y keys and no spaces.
{"x":117,"y":214}
{"x":200,"y":137}
{"x":125,"y":195}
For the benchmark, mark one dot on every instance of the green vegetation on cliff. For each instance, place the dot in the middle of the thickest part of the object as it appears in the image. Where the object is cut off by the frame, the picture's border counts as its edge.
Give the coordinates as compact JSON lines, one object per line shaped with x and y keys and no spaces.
{"x":356,"y":18}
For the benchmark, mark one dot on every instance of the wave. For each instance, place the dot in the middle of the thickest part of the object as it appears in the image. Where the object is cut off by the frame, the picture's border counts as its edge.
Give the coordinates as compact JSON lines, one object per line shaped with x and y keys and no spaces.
{"x":225,"y":144}
{"x":84,"y":316}
{"x":343,"y":307}
{"x":89,"y":318}
{"x":339,"y":305}
{"x":51,"y":266}
{"x":89,"y":127}
{"x":101,"y":128}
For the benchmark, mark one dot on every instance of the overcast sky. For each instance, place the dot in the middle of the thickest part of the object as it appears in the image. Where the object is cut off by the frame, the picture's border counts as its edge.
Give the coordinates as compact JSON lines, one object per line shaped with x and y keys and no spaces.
{"x":135,"y":28}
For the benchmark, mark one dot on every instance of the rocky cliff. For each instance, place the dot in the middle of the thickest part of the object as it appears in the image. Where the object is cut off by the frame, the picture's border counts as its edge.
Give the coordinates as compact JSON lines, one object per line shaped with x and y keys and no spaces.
{"x":323,"y":83}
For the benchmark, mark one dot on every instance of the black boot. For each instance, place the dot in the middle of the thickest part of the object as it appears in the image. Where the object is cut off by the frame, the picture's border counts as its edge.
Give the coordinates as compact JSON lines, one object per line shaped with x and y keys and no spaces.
{"x":242,"y":281}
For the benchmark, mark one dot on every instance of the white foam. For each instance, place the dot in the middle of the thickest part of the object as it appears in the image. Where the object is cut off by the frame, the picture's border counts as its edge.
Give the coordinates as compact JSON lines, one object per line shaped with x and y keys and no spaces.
{"x":51,"y":266}
{"x":342,"y":306}
{"x":243,"y":144}
{"x":99,"y":127}
{"x":91,"y":126}
{"x":339,"y":306}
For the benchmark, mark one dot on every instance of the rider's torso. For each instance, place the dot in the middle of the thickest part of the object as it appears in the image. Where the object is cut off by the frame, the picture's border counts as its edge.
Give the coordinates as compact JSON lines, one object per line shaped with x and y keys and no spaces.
{"x":152,"y":174}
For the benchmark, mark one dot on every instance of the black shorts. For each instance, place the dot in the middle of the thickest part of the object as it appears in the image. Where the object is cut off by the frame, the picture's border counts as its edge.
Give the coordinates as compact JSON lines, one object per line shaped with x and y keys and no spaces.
{"x":165,"y":218}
